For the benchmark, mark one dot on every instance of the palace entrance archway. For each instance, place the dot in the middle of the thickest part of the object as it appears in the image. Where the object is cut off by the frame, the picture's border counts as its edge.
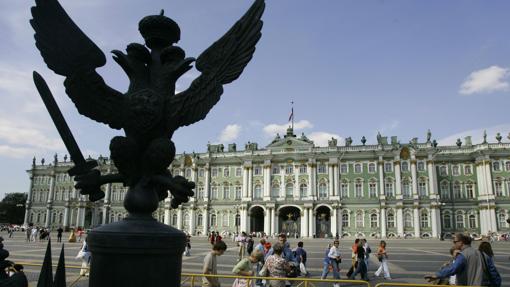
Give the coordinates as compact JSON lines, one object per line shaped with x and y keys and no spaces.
{"x":289,"y":218}
{"x":256,"y":219}
{"x":323,"y":222}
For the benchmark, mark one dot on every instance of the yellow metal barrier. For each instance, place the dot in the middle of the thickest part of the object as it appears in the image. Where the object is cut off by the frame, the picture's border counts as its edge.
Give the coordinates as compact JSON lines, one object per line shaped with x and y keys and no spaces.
{"x":414,"y":285}
{"x":55,"y":265}
{"x":305,"y":282}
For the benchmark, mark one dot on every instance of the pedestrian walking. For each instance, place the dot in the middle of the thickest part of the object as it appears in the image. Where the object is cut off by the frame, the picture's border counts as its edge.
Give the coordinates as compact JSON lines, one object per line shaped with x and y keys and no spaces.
{"x":467,"y":266}
{"x":300,"y":254}
{"x":59,"y":234}
{"x":72,"y":236}
{"x":28,"y":231}
{"x":249,"y":244}
{"x":85,"y":256}
{"x":492,"y":276}
{"x":210,"y":265}
{"x":245,"y":268}
{"x":335,"y":260}
{"x":360,"y":258}
{"x":187,"y":247}
{"x":326,"y":263}
{"x":354,"y":261}
{"x":241,"y":243}
{"x":367,"y":249}
{"x":276,"y":266}
{"x":260,"y":247}
{"x":382,"y":256}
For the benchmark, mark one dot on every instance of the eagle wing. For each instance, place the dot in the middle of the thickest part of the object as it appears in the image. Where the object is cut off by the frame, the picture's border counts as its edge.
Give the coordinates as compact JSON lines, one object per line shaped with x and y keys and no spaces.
{"x":220,"y":64}
{"x":70,"y":53}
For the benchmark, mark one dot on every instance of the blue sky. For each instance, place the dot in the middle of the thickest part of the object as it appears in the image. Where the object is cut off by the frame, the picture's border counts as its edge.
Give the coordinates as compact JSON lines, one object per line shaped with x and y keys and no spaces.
{"x":352,"y":68}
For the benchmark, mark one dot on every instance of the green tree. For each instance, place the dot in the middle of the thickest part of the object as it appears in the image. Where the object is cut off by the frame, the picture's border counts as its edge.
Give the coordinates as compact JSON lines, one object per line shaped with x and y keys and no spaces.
{"x":12,"y":208}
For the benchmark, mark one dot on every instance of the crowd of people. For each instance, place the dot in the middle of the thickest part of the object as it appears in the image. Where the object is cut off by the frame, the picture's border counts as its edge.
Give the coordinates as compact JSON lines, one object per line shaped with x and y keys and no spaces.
{"x":468,"y":266}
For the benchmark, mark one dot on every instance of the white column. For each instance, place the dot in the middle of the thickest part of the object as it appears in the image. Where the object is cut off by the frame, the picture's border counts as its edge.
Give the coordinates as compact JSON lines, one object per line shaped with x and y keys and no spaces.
{"x":167,"y":211}
{"x":311,"y":223}
{"x":339,"y":222}
{"x":250,"y":182}
{"x":207,"y":182}
{"x":414,"y":178}
{"x":192,"y":220}
{"x":28,"y":203}
{"x":283,"y":183}
{"x":305,"y":226}
{"x":66,"y":215}
{"x":383,"y":222}
{"x":273,"y":222}
{"x":205,"y":221}
{"x":334,"y":222}
{"x":245,"y":183}
{"x":400,"y":221}
{"x":49,"y":202}
{"x":296,"y":182}
{"x":106,"y":203}
{"x":331,"y":184}
{"x":398,"y":180}
{"x":432,"y":176}
{"x":336,"y":179}
{"x":194,"y":178}
{"x":244,"y":219}
{"x":312,"y":176}
{"x":179,"y":218}
{"x":435,"y":216}
{"x":267,"y":220}
{"x":381,"y":177}
{"x":303,"y":219}
{"x":416,"y":218}
{"x":267,"y":180}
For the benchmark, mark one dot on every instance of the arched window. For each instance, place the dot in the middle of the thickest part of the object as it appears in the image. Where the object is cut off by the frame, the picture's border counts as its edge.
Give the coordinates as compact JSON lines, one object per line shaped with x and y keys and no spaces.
{"x":213,"y":219}
{"x":188,"y":173}
{"x":174,"y":220}
{"x":372,"y":189}
{"x":214,"y":192}
{"x":238,"y":191}
{"x":459,"y":221}
{"x":358,"y":188}
{"x":371,"y":167}
{"x":445,"y":190}
{"x":470,"y":191}
{"x":275,"y":190}
{"x":443,"y":170}
{"x":200,"y":194}
{"x":408,"y":220}
{"x":226,"y":172}
{"x":289,"y":190}
{"x":186,"y":220}
{"x":345,"y":219}
{"x":359,"y":219}
{"x":498,"y":188}
{"x":303,"y":190}
{"x":374,"y":222}
{"x":323,"y":190}
{"x":388,"y":188}
{"x":390,"y":219}
{"x":422,"y":187}
{"x":238,"y":220}
{"x":225,"y":219}
{"x":344,"y":189}
{"x":406,"y":189}
{"x":226,"y":191}
{"x":472,"y":221}
{"x":201,"y":172}
{"x":456,"y":190}
{"x":424,"y":219}
{"x":502,"y":220}
{"x":447,"y":221}
{"x":357,"y":168}
{"x":455,"y":170}
{"x":258,"y":192}
{"x":200,"y":220}
{"x":496,"y":166}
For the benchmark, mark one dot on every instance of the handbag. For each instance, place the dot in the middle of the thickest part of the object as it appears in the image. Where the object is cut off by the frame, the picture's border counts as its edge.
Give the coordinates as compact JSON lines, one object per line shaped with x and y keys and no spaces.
{"x":302,"y":268}
{"x":380,"y":257}
{"x":240,"y":283}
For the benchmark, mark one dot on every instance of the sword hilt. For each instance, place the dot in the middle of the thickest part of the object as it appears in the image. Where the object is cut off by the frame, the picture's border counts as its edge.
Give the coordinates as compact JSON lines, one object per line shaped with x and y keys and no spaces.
{"x":94,"y":192}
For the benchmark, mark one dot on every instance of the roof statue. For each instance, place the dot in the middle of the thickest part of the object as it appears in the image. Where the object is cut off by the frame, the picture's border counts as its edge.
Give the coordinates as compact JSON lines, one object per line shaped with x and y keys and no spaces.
{"x":150,"y":111}
{"x":379,"y":138}
{"x":484,"y":136}
{"x":499,"y":137}
{"x":429,"y":135}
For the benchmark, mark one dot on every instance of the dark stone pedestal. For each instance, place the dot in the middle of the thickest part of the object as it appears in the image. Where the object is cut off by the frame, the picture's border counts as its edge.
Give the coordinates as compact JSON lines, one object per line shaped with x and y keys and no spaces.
{"x":137,"y":251}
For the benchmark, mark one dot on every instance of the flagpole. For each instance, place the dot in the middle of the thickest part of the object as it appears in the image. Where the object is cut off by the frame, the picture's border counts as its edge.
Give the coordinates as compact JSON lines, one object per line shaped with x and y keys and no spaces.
{"x":292,"y":113}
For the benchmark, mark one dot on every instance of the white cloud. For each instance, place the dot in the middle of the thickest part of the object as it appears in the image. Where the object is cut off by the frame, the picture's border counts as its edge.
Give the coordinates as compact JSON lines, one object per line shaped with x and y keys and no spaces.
{"x":16,"y":152}
{"x":477,"y":135}
{"x":322,"y":138}
{"x":272,"y":129}
{"x":230,"y":133}
{"x":487,"y":80}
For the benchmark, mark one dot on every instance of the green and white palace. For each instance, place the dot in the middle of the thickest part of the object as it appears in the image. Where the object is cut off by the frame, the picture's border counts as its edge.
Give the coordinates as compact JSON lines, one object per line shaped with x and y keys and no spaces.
{"x":386,"y":190}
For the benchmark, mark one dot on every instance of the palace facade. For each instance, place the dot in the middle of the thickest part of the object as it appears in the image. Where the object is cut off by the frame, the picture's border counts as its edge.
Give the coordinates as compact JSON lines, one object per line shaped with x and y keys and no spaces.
{"x":292,"y":186}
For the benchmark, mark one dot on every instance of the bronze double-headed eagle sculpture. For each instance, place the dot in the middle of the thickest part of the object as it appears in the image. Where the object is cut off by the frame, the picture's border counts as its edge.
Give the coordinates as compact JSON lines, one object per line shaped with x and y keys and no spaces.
{"x":150,"y":111}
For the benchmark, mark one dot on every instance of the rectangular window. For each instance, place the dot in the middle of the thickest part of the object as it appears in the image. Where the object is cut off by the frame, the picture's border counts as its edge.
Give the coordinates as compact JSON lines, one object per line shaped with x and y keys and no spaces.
{"x":455,"y":170}
{"x":257,"y":170}
{"x":422,"y":188}
{"x":201,"y":172}
{"x":344,"y":188}
{"x":226,"y":192}
{"x":289,"y":169}
{"x":498,"y":188}
{"x":344,"y":168}
{"x":238,"y":171}
{"x":357,"y":168}
{"x":371,"y":167}
{"x":214,"y":172}
{"x":321,"y":168}
{"x":388,"y":189}
{"x":238,"y":192}
{"x":302,"y":169}
{"x":421,"y":166}
{"x":359,"y":189}
{"x":467,"y":170}
{"x":276,"y":169}
{"x":226,"y":172}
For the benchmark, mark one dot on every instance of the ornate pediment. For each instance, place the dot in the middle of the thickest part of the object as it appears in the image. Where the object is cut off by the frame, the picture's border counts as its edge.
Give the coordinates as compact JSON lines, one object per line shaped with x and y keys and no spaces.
{"x":290,"y":141}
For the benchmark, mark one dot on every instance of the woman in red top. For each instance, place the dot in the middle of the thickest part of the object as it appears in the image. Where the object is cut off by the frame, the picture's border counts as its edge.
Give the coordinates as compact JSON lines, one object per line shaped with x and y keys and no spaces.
{"x":383,"y":258}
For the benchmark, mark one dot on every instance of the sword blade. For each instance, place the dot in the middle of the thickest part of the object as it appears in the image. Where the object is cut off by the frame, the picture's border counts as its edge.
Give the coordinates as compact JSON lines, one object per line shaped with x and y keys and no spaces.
{"x":59,"y":121}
